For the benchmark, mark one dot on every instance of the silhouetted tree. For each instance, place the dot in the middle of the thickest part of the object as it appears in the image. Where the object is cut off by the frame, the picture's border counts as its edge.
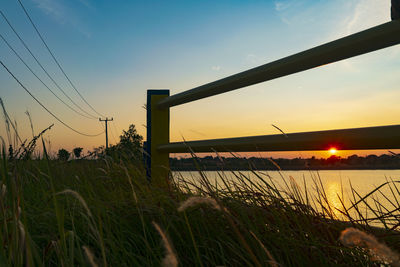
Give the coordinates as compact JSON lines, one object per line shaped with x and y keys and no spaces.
{"x":130,"y":144}
{"x":77,"y":152}
{"x":333,"y":159}
{"x":371,"y":159}
{"x":63,"y":154}
{"x":130,"y":139}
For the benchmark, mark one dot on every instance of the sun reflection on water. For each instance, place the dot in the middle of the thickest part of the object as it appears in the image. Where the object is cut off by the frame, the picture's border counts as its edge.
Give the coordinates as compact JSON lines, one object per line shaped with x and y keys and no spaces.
{"x":333,"y":192}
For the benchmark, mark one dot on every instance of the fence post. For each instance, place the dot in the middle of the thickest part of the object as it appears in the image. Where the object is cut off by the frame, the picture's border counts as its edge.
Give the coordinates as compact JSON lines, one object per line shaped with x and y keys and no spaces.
{"x":158,"y":171}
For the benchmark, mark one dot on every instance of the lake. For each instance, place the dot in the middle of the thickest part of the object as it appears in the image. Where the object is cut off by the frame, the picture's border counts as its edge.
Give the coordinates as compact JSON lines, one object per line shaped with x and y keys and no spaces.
{"x":334,"y":183}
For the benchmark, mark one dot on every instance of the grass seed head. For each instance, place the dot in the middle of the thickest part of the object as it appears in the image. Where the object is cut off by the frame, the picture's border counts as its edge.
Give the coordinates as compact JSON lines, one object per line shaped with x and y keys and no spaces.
{"x":272,"y":261}
{"x":170,"y":259}
{"x":352,"y":237}
{"x":22,"y":233}
{"x":90,"y":256}
{"x":78,"y":197}
{"x":194,"y":201}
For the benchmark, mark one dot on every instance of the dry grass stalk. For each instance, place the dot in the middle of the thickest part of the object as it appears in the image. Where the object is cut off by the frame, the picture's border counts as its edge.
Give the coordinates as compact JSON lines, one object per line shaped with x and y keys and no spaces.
{"x":131,"y":184}
{"x":272,"y":261}
{"x":90,"y":256}
{"x":79,"y":198}
{"x":279,"y":129}
{"x":194,"y":201}
{"x":170,"y":259}
{"x":3,"y":191}
{"x":92,"y":223}
{"x":275,"y":164}
{"x":351,"y":237}
{"x":22,"y":234}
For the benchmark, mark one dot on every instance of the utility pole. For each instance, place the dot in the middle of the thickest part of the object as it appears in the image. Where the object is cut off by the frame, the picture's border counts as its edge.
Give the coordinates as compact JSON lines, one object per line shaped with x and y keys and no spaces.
{"x":106,"y":120}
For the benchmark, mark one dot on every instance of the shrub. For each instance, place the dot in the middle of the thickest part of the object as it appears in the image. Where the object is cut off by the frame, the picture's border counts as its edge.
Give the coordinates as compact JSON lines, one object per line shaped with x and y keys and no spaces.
{"x":63,"y":154}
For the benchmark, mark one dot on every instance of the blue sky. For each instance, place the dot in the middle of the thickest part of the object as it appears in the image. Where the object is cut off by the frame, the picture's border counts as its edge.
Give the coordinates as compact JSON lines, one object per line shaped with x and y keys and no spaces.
{"x":115,"y":50}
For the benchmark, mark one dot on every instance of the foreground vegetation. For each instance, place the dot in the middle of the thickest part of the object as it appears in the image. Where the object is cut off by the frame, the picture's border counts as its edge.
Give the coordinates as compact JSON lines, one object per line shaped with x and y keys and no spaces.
{"x":105,"y":213}
{"x":102,"y":211}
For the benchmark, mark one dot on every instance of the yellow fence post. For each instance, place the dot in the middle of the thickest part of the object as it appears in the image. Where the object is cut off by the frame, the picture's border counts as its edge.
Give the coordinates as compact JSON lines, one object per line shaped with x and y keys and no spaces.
{"x":157,"y":134}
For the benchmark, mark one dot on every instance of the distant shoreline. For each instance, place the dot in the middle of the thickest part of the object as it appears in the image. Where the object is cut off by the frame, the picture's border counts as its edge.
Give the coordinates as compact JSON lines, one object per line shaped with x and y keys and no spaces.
{"x":354,"y":162}
{"x":287,"y":169}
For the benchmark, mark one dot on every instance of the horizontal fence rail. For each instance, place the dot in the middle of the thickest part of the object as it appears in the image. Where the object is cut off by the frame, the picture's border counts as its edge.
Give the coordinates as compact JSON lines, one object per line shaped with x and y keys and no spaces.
{"x":159,"y":102}
{"x":382,"y":137}
{"x":382,"y":36}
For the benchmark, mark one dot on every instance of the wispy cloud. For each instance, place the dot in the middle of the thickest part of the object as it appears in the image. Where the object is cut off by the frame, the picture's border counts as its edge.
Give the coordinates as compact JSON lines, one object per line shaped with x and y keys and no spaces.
{"x":360,"y":15}
{"x":62,"y":14}
{"x":53,"y":8}
{"x":282,"y":5}
{"x":87,"y":3}
{"x":216,"y":68}
{"x":290,"y":11}
{"x":366,"y":14}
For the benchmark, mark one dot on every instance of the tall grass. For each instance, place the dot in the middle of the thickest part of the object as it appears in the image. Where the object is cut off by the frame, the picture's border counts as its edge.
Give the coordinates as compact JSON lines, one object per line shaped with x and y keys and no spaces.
{"x":105,"y":213}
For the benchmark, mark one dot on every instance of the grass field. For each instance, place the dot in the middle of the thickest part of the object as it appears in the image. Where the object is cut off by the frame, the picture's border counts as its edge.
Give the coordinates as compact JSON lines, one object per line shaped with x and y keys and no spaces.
{"x":105,"y":213}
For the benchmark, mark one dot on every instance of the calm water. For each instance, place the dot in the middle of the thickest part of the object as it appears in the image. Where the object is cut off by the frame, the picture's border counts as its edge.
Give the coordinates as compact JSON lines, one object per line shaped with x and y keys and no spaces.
{"x":334,"y":182}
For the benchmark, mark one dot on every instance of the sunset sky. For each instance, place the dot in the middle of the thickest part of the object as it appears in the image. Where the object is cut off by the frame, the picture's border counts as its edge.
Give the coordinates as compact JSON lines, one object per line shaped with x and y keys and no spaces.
{"x":115,"y":50}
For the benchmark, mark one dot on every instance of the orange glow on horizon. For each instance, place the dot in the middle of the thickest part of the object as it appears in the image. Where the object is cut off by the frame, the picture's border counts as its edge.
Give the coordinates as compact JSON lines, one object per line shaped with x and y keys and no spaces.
{"x":332,"y":150}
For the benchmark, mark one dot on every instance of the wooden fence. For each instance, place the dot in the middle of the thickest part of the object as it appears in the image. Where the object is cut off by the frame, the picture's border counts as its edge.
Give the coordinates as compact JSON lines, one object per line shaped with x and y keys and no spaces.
{"x":159,"y":102}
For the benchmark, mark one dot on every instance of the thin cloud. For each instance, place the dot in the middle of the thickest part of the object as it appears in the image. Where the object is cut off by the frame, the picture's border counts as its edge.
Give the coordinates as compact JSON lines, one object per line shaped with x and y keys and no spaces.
{"x":290,"y":11}
{"x":366,"y":14}
{"x":62,"y":14}
{"x":87,"y":4}
{"x":216,"y":68}
{"x":282,"y":5}
{"x":362,"y":14}
{"x":53,"y":8}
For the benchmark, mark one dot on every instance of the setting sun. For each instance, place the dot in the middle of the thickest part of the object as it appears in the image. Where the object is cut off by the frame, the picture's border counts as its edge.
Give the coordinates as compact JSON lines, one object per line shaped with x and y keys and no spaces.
{"x":332,"y":150}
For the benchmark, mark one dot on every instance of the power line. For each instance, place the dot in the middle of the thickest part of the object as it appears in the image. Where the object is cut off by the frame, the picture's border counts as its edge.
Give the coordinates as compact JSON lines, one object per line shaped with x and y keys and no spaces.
{"x":112,"y":133}
{"x":51,"y":113}
{"x":41,"y":66}
{"x":55,"y":60}
{"x":26,"y":65}
{"x":115,"y":129}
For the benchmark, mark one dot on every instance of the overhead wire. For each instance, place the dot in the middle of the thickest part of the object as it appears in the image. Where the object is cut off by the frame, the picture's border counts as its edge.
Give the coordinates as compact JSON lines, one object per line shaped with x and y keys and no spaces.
{"x":55,"y":60}
{"x":116,"y":132}
{"x":44,"y":107}
{"x":42,"y":67}
{"x":30,"y":69}
{"x":112,"y":133}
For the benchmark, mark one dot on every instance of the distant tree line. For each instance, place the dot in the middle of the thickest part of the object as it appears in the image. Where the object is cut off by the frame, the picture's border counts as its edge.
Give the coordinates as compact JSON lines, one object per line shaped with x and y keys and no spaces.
{"x":130,"y":146}
{"x":210,"y":163}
